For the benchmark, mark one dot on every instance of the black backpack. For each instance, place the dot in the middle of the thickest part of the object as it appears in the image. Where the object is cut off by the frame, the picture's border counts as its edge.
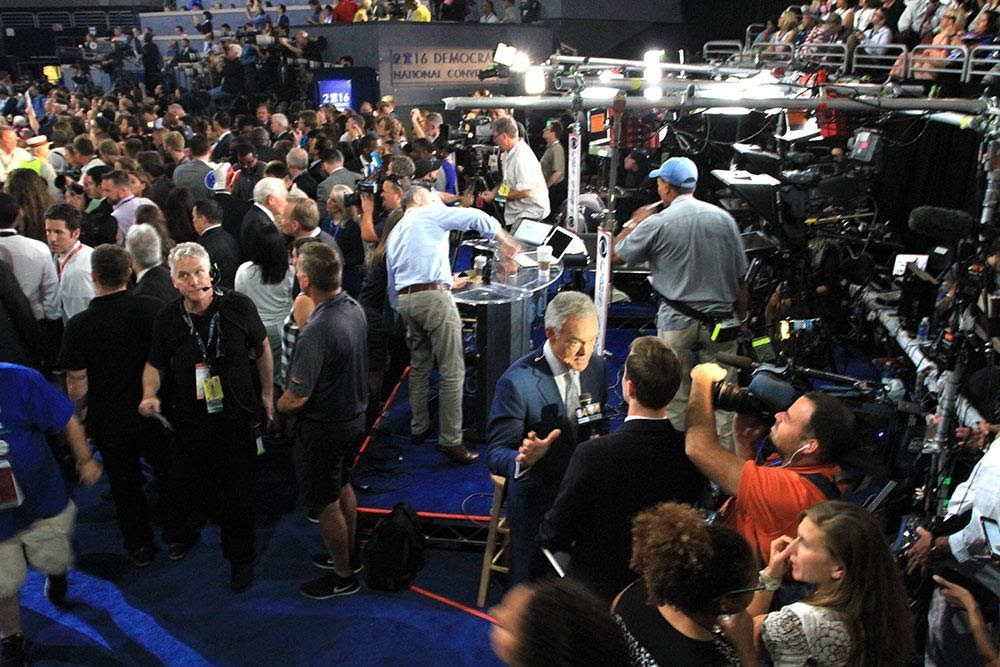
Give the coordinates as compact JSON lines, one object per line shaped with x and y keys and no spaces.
{"x":395,"y":550}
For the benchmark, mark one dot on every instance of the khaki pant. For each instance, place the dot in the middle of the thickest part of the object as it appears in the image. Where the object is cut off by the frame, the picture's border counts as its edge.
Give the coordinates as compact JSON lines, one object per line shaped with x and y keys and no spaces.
{"x":693,"y":346}
{"x":45,"y":545}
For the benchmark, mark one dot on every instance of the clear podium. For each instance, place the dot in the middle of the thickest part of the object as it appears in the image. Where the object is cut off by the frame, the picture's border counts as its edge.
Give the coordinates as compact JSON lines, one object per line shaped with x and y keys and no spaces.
{"x":501,"y":313}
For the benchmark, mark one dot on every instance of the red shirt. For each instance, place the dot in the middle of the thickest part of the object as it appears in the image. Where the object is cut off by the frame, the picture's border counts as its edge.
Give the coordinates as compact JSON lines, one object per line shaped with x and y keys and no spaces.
{"x":344,"y":11}
{"x":769,"y":500}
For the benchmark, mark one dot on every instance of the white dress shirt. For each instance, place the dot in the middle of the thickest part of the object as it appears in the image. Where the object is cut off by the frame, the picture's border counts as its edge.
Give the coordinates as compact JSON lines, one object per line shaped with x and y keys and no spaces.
{"x":32,"y":263}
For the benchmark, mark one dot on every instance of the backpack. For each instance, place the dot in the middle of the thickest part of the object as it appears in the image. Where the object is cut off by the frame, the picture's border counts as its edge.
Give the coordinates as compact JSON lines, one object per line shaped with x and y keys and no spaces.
{"x":395,"y":550}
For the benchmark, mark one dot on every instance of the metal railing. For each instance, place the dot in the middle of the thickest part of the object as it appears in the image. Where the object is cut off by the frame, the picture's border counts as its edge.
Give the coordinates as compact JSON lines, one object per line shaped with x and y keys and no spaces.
{"x":828,"y":54}
{"x":84,"y":18}
{"x":926,"y":61}
{"x":981,"y":61}
{"x":879,"y":58}
{"x":721,"y":50}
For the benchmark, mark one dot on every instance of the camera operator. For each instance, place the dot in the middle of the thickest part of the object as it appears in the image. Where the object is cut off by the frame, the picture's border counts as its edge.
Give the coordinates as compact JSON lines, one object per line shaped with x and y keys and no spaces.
{"x":809,"y":439}
{"x":392,"y":189}
{"x":959,"y":538}
{"x":523,"y":186}
{"x":303,"y":47}
{"x":232,"y":75}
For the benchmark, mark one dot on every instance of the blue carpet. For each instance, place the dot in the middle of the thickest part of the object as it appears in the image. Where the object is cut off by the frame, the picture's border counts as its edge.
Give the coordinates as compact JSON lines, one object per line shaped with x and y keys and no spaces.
{"x":182,"y":613}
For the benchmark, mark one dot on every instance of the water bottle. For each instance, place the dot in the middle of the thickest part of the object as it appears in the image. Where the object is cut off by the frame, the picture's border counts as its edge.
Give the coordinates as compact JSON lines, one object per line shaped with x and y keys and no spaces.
{"x":923,"y":330}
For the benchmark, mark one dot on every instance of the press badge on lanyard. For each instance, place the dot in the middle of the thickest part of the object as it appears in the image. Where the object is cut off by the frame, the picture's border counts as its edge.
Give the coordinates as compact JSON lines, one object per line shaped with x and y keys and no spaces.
{"x":207,"y":387}
{"x":10,"y":492}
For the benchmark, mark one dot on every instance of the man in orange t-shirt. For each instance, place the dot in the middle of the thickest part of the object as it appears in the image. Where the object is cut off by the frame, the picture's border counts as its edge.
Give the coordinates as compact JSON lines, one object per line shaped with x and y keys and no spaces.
{"x":809,"y":439}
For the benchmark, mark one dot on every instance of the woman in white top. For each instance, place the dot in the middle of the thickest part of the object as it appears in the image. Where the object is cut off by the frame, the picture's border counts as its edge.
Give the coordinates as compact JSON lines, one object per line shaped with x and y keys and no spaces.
{"x":267,"y":279}
{"x":856,"y":612}
{"x":863,"y":16}
{"x":845,"y":10}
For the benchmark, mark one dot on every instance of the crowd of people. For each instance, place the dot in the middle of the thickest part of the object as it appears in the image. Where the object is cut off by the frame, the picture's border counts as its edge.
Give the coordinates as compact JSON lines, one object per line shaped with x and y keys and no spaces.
{"x":872,"y":24}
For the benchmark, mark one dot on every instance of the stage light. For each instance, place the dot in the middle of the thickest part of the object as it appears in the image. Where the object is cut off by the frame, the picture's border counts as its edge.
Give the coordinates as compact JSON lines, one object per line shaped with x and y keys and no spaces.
{"x":653,"y":57}
{"x":599,"y":93}
{"x":521,"y":62}
{"x":607,"y":75}
{"x":652,"y":93}
{"x":534,"y":81}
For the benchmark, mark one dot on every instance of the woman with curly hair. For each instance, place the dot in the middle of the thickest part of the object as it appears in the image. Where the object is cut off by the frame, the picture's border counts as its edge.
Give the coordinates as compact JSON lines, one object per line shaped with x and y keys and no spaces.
{"x":555,"y":623}
{"x":856,"y":613}
{"x":691,"y":573}
{"x":31,"y":193}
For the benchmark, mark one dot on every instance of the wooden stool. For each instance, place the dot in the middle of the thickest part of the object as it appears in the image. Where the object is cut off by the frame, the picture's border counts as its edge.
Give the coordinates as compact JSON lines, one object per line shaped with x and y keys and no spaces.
{"x":494,"y":554}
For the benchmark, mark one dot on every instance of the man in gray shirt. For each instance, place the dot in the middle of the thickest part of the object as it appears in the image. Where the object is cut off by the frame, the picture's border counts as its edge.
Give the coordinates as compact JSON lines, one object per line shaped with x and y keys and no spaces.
{"x":697,"y":266}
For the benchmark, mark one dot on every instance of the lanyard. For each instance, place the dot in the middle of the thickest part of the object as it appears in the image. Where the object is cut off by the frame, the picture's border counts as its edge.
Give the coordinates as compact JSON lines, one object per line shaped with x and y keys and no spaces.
{"x":212,"y":325}
{"x":62,"y":264}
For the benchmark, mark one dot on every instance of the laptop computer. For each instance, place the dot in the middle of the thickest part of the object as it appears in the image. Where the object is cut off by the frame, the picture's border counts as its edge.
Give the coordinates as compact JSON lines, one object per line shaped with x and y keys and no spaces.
{"x":530,"y":232}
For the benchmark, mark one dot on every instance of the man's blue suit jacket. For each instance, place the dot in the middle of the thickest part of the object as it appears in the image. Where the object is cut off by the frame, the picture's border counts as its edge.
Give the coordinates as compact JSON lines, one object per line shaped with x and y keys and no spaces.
{"x":528,"y":399}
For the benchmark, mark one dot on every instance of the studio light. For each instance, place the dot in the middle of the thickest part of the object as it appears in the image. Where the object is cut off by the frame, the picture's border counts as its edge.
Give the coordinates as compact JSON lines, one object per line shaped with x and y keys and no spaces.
{"x":652,"y":93}
{"x":534,"y":81}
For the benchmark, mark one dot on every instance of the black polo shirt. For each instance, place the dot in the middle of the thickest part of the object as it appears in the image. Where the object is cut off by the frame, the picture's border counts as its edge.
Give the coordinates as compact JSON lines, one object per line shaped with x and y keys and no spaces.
{"x":238,"y":334}
{"x":110,"y":340}
{"x":330,"y":363}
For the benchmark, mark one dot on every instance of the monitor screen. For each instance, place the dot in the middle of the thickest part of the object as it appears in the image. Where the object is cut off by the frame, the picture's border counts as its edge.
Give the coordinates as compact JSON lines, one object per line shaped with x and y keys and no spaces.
{"x":336,"y":92}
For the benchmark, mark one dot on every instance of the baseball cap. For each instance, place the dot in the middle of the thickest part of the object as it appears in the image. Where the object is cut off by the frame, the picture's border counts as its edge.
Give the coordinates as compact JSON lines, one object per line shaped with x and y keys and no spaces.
{"x":678,"y":171}
{"x":424,"y":167}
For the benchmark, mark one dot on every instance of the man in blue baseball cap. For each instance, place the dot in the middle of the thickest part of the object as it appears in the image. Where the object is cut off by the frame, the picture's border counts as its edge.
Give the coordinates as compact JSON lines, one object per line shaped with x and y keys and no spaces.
{"x":696,"y":266}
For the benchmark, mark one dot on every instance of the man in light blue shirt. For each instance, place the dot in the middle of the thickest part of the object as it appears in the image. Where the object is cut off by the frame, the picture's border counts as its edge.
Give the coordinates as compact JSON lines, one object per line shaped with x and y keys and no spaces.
{"x":420,"y":273}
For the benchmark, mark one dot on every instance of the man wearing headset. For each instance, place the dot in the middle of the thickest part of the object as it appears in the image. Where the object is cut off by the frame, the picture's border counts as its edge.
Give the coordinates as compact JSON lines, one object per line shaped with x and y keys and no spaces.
{"x":809,"y":439}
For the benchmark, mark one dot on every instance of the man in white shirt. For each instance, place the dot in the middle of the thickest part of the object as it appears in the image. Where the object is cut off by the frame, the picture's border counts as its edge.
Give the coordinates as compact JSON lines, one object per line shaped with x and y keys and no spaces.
{"x":523,"y":185}
{"x":116,"y":189}
{"x":72,"y":259}
{"x":31,"y":262}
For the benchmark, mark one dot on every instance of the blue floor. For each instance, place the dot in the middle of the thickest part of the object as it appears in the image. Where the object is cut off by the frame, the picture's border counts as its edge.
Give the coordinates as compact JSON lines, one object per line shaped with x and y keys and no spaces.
{"x":182,"y":613}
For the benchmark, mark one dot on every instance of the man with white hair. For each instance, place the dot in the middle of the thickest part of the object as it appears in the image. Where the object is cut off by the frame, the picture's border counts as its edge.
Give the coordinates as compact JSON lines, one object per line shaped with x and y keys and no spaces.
{"x":269,"y":199}
{"x":298,"y":168}
{"x":11,"y":155}
{"x":279,"y":128}
{"x":420,"y":272}
{"x":152,"y":278}
{"x":210,"y":354}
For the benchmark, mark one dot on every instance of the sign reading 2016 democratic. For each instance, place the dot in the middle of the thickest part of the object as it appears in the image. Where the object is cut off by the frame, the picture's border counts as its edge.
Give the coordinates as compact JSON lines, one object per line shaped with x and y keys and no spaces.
{"x":430,"y":67}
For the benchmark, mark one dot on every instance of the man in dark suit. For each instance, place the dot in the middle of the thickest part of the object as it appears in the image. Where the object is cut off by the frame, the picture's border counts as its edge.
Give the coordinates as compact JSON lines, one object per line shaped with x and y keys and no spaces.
{"x":298,"y":164}
{"x":191,"y":174}
{"x":613,"y":478}
{"x":269,"y":198}
{"x":152,"y":278}
{"x":223,"y":250}
{"x":338,"y":176}
{"x":233,"y":208}
{"x":223,"y":137}
{"x":536,"y":422}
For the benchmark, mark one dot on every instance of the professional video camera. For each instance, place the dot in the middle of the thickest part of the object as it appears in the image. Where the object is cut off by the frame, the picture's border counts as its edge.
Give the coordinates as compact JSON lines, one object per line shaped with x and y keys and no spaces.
{"x":773,"y":388}
{"x":370,"y":184}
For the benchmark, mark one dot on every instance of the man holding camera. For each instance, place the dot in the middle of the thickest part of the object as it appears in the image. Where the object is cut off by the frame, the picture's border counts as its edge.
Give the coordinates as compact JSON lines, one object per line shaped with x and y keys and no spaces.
{"x":684,"y":243}
{"x":809,"y":439}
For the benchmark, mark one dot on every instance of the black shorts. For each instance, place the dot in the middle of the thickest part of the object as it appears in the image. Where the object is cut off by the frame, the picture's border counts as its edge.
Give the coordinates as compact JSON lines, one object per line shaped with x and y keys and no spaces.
{"x":328,"y":450}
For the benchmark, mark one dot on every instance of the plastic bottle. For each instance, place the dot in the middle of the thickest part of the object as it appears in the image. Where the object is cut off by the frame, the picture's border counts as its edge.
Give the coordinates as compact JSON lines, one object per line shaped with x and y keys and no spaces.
{"x":923,"y":330}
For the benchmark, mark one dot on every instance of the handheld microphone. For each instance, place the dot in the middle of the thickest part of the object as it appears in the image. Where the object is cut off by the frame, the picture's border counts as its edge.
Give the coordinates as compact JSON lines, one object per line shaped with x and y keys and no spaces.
{"x":938,"y":223}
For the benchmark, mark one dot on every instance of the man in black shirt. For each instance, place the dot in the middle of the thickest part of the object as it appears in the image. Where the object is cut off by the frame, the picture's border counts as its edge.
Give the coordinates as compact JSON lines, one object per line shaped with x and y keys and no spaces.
{"x":210,"y":354}
{"x":104,"y":349}
{"x":327,"y":387}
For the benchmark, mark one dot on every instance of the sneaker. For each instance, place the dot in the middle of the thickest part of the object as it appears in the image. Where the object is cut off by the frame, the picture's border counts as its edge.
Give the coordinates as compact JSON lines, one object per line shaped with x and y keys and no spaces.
{"x":13,"y":651}
{"x":330,"y":585}
{"x":312,"y":516}
{"x":142,"y":556}
{"x":324,"y":562}
{"x":55,"y":588}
